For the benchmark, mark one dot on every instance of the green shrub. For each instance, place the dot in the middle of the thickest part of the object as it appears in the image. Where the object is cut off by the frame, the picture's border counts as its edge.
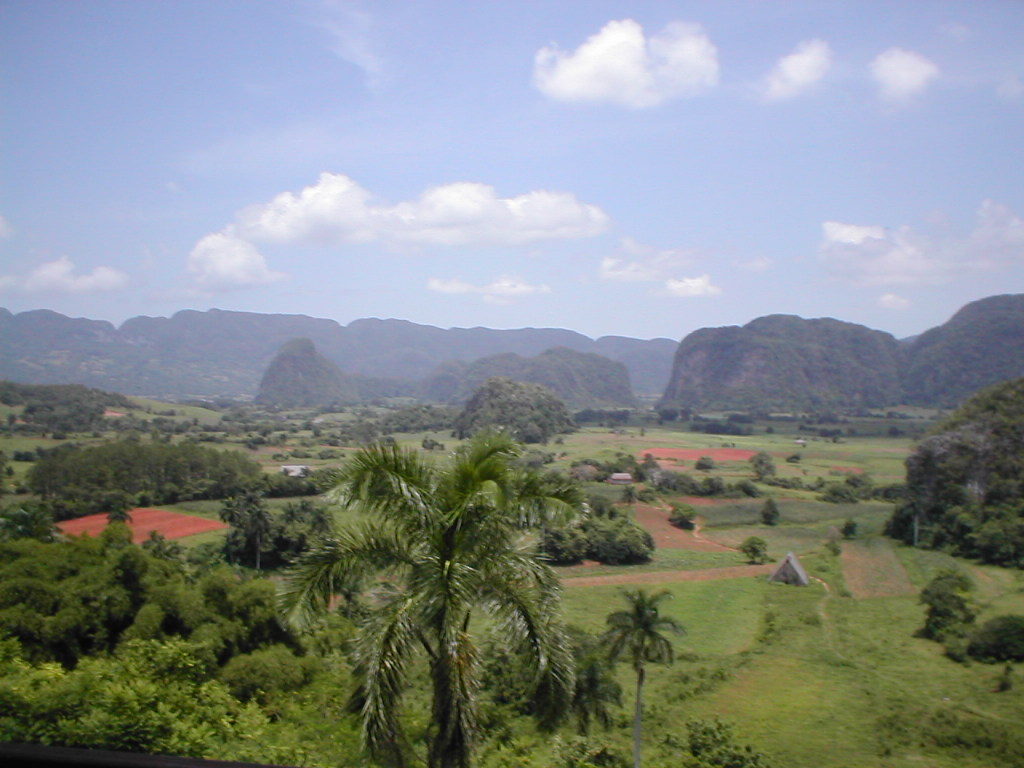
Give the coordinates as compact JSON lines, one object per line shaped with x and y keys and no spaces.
{"x":683,"y":516}
{"x":770,"y":512}
{"x":618,"y":542}
{"x":564,"y":545}
{"x":269,"y":670}
{"x":705,"y":463}
{"x":756,"y":549}
{"x":998,"y":639}
{"x":713,"y":745}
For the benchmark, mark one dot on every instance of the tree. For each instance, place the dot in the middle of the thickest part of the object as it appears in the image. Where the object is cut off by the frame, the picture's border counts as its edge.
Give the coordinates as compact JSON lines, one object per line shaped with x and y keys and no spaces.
{"x":948,"y":613}
{"x":250,"y":522}
{"x":849,"y":529}
{"x":637,"y":633}
{"x":763,"y":465}
{"x":447,"y":543}
{"x":756,"y":549}
{"x":770,"y":512}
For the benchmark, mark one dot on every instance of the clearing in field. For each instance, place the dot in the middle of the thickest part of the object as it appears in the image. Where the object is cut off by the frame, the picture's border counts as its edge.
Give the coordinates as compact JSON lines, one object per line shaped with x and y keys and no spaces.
{"x":172,"y":525}
{"x":668,"y":536}
{"x":872,"y":569}
{"x":692,"y":454}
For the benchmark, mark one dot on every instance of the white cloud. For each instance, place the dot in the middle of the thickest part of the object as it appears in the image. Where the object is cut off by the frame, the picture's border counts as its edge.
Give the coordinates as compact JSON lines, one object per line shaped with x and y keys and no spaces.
{"x":338,"y":210}
{"x":60,"y":276}
{"x":619,"y":65}
{"x":892,"y":301}
{"x":349,"y":28}
{"x":796,"y":73}
{"x":222,"y":261}
{"x":902,"y":74}
{"x":6,"y":230}
{"x":637,"y":262}
{"x":690,"y":287}
{"x":874,"y":255}
{"x":501,"y":291}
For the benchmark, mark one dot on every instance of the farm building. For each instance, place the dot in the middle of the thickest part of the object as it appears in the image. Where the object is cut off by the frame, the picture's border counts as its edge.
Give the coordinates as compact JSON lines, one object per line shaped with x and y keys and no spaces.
{"x":620,"y":478}
{"x":295,"y":470}
{"x":789,"y":571}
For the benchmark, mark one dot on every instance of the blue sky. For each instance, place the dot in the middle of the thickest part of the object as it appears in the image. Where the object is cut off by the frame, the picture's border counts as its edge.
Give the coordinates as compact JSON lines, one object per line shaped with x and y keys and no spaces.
{"x":634,"y":168}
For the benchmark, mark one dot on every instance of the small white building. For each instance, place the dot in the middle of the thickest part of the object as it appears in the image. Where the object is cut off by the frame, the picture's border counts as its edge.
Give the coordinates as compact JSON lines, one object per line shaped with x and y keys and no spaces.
{"x":295,"y":470}
{"x":620,"y":478}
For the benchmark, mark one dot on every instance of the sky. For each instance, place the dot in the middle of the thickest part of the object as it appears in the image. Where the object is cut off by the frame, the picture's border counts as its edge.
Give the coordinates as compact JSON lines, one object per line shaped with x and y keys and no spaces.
{"x":633,"y":168}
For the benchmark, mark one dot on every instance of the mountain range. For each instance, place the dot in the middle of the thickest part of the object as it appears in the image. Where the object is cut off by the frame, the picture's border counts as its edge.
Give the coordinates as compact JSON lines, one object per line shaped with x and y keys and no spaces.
{"x":778,"y":361}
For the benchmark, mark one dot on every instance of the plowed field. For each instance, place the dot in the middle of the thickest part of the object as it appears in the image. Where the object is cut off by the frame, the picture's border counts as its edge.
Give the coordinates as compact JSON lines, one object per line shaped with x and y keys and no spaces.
{"x":692,"y":454}
{"x":173,"y":525}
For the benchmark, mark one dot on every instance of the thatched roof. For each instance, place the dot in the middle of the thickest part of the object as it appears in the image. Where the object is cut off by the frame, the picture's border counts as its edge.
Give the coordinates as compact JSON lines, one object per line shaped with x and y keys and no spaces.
{"x":789,"y":571}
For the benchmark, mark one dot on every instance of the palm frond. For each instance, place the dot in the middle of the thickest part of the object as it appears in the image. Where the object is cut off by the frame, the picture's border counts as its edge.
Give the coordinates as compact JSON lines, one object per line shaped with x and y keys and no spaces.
{"x":337,"y":564}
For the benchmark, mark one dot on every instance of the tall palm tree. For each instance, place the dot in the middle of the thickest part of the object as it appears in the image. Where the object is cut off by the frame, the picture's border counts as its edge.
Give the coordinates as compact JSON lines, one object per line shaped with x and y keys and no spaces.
{"x":637,"y":633}
{"x":248,"y":515}
{"x":446,"y":544}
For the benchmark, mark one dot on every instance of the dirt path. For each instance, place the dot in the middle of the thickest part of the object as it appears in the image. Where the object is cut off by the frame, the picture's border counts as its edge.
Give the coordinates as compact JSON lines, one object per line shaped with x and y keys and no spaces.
{"x":657,"y":577}
{"x":871,"y":569}
{"x":668,"y":536}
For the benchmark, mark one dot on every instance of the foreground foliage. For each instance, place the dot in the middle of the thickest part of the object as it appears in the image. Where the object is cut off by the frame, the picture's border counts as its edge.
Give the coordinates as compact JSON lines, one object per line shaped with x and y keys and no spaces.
{"x":448,"y":543}
{"x":965,"y":483}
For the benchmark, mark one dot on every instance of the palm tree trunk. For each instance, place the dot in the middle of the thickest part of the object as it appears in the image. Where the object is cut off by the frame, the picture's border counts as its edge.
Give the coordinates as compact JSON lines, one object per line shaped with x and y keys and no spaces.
{"x":637,"y":715}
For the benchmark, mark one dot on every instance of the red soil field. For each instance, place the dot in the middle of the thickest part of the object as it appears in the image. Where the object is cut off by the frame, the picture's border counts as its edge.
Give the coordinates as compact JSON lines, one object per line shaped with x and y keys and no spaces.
{"x":667,"y":536}
{"x":692,"y":454}
{"x":173,"y":525}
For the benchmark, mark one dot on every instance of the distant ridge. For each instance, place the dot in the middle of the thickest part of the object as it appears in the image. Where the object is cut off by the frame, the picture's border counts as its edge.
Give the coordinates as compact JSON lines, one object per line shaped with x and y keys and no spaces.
{"x":783,"y":361}
{"x":223,"y":353}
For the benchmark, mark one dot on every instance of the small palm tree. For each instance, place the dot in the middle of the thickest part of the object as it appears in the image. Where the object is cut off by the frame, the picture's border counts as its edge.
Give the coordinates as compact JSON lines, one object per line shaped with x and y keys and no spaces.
{"x":446,"y":543}
{"x":637,"y":634}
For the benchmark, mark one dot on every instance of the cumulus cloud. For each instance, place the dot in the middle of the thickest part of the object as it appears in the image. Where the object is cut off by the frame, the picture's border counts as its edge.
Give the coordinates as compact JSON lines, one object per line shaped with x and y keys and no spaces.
{"x":501,"y":291}
{"x":59,"y":276}
{"x":875,"y":255}
{"x":692,"y":287}
{"x":338,"y":210}
{"x":620,"y":65}
{"x":902,"y":74}
{"x":892,"y":301}
{"x":799,"y":71}
{"x":223,"y":261}
{"x":637,"y":262}
{"x":5,"y":228}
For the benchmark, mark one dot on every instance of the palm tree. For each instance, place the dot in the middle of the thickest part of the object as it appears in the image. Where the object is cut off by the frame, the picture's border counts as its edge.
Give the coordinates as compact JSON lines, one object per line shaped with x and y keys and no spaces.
{"x":637,"y":634}
{"x":247,"y":514}
{"x":447,"y":543}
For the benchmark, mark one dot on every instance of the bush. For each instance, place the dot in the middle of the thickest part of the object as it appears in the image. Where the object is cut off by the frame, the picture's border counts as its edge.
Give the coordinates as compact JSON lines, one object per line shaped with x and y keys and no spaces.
{"x":839,"y":493}
{"x":565,"y":545}
{"x":683,"y":516}
{"x":770,"y":512}
{"x":948,"y":610}
{"x":756,"y":549}
{"x":849,"y":529}
{"x":748,"y":489}
{"x":999,"y":639}
{"x":266,"y":671}
{"x":713,"y":745}
{"x":618,"y":542}
{"x":705,"y":463}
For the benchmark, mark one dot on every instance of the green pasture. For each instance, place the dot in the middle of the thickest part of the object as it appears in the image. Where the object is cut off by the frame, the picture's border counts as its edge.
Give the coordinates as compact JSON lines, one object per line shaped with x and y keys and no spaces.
{"x":815,"y":679}
{"x":148,"y":409}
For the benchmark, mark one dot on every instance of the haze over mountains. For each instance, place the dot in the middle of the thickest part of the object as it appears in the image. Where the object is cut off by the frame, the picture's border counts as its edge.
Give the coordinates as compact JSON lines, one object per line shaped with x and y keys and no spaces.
{"x":778,"y":361}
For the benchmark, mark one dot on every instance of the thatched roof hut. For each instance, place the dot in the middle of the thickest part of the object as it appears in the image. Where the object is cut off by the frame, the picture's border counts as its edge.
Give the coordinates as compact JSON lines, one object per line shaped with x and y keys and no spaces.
{"x":789,"y":571}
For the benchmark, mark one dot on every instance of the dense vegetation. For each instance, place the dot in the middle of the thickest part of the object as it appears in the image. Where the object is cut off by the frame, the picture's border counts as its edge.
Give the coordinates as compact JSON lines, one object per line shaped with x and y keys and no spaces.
{"x":577,"y":378}
{"x":299,"y":376}
{"x":60,"y":408}
{"x":784,"y":362}
{"x":529,"y":412}
{"x":965,"y":483}
{"x":132,"y":472}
